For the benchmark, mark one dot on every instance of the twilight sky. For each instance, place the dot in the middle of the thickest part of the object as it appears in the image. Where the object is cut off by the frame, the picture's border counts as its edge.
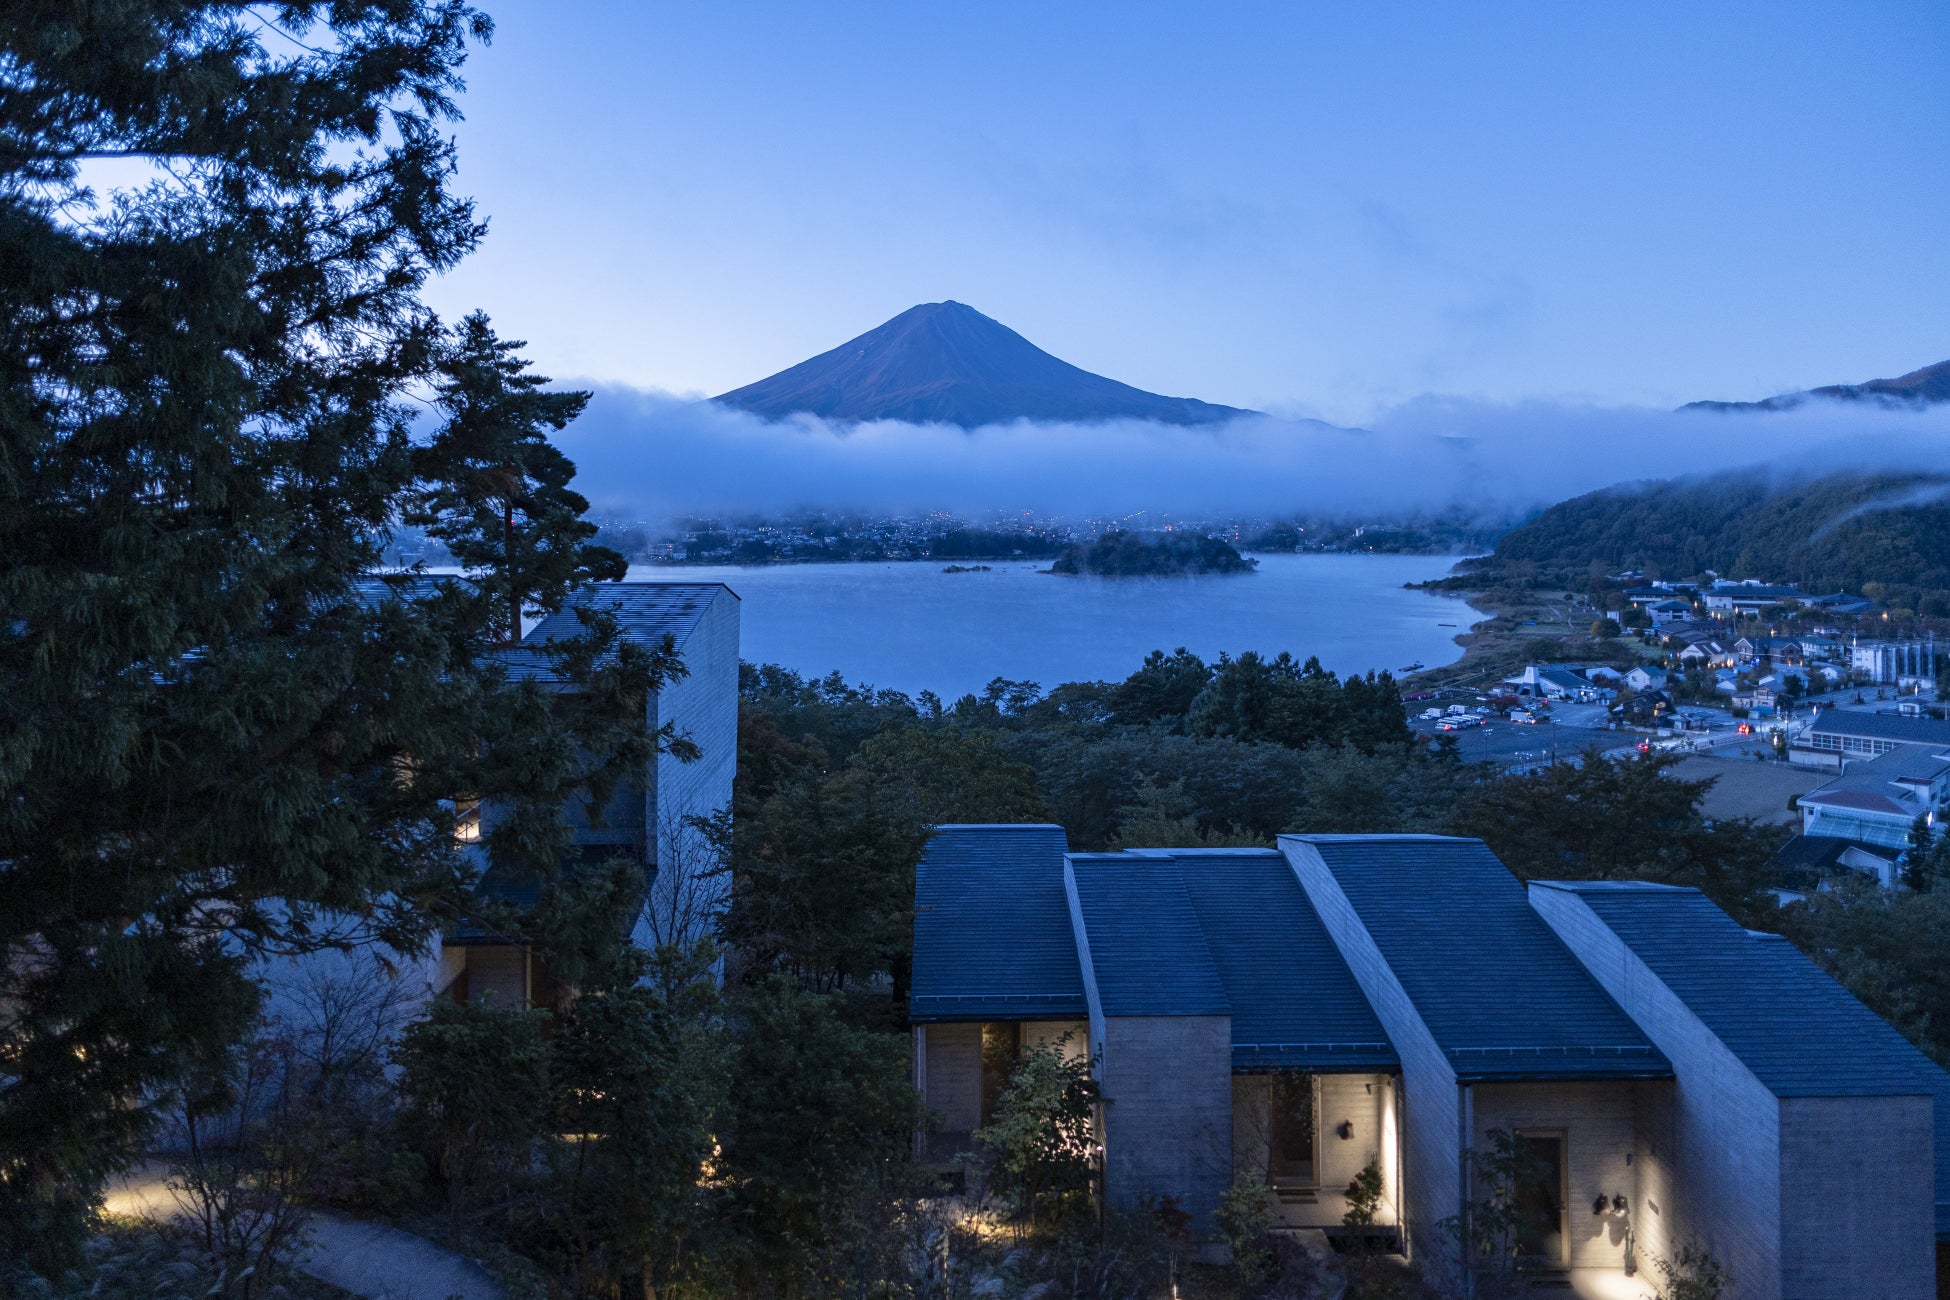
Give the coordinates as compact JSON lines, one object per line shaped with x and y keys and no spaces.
{"x":1305,"y":207}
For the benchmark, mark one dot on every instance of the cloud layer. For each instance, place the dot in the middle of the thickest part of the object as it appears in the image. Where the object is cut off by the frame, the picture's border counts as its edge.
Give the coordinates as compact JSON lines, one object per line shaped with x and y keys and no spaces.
{"x":652,"y":456}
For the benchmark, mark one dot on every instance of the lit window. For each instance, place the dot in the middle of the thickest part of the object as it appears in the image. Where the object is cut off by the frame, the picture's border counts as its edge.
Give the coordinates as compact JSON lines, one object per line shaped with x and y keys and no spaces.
{"x":467,"y":820}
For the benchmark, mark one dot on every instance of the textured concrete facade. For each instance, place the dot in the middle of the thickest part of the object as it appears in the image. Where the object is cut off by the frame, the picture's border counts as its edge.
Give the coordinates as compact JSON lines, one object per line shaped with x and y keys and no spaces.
{"x":1722,"y":1164}
{"x":1431,"y":1113}
{"x":1857,"y":1183}
{"x":702,"y":707}
{"x":951,"y":1076}
{"x":1167,"y":1088}
{"x":1598,"y":1121}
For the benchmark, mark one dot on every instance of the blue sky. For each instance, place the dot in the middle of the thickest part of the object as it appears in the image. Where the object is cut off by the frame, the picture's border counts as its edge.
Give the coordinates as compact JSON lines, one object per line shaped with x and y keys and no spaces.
{"x":1317,"y":208}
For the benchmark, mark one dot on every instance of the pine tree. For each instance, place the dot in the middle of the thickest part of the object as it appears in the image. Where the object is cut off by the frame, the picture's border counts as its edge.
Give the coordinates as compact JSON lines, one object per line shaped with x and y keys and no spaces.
{"x":214,"y":734}
{"x":498,"y":491}
{"x":1926,"y":860}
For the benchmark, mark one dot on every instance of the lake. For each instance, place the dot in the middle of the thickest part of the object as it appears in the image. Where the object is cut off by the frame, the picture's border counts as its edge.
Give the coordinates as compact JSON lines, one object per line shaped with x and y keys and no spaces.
{"x":908,"y":626}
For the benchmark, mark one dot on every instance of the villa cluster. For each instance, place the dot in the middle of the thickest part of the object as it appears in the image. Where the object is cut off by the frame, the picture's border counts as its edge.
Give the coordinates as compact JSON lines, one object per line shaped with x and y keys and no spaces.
{"x":1287,"y":1017}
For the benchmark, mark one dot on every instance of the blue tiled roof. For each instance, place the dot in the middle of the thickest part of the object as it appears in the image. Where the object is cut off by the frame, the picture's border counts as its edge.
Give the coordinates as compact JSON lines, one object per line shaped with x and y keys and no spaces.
{"x":992,"y":936}
{"x":1146,"y":948}
{"x":1295,"y":1005}
{"x":1502,"y":996}
{"x":1799,"y":1032}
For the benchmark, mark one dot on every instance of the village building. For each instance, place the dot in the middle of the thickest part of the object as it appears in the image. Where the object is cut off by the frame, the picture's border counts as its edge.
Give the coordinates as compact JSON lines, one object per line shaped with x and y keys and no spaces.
{"x":1734,"y":598}
{"x":1904,"y":664}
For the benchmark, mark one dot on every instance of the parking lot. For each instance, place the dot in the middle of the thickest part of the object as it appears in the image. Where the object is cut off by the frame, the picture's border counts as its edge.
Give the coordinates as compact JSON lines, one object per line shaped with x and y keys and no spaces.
{"x":1519,"y":744}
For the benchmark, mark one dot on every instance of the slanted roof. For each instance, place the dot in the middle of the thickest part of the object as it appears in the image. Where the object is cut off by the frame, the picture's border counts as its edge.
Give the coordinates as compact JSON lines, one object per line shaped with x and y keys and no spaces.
{"x":1146,"y":948}
{"x":1496,"y":987}
{"x":1295,"y":1005}
{"x":645,"y":612}
{"x":1795,"y":1029}
{"x":1881,"y":726}
{"x":992,"y":937}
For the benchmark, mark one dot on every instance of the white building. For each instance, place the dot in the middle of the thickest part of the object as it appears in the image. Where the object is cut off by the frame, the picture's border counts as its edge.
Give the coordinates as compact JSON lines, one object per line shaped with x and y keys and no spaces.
{"x":1899,"y":663}
{"x":649,"y":820}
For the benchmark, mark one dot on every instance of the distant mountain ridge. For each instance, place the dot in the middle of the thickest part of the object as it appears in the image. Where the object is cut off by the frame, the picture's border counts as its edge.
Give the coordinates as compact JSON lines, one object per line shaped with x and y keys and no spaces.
{"x":1883,"y":535}
{"x":1924,"y":387}
{"x":946,"y":363}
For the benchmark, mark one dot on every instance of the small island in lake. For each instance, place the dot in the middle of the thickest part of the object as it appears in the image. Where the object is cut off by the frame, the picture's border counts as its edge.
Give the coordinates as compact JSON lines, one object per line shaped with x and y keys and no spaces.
{"x":1133,"y":555}
{"x":966,"y":568}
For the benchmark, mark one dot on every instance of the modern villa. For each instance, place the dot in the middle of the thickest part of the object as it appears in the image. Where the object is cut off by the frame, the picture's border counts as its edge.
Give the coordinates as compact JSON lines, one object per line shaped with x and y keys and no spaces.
{"x":647,"y":820}
{"x":1287,"y":1016}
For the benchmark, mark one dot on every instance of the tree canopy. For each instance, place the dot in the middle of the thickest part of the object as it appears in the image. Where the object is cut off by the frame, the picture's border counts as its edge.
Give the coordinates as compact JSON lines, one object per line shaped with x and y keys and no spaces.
{"x":219,"y":738}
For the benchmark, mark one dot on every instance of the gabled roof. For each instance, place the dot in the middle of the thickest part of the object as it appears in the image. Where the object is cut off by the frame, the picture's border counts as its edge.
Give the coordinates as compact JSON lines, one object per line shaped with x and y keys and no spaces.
{"x":1496,"y":987}
{"x":992,"y":936}
{"x":1795,"y":1029}
{"x":1146,"y":948}
{"x":1863,"y":801}
{"x":1295,"y":1005}
{"x":1170,"y":932}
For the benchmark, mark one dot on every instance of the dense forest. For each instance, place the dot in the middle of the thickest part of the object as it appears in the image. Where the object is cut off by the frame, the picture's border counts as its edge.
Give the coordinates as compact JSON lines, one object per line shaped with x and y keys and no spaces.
{"x":1886,"y":536}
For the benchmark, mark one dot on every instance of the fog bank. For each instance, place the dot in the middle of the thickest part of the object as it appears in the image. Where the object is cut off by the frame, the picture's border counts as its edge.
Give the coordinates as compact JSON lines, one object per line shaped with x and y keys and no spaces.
{"x":653,"y":456}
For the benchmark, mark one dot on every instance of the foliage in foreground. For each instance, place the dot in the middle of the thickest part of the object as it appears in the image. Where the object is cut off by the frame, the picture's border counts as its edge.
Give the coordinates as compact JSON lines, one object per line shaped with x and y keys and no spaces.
{"x":218,"y":740}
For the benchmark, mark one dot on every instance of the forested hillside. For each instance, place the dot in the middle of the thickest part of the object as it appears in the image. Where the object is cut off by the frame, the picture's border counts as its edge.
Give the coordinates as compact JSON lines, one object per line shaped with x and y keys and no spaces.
{"x":1886,"y":536}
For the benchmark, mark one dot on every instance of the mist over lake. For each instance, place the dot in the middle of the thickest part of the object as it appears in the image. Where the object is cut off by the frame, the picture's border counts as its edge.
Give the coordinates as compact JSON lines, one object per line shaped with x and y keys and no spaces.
{"x":910,"y":627}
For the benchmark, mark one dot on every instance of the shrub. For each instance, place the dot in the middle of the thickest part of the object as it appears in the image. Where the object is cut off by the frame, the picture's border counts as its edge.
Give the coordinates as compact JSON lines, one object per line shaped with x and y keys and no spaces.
{"x":1363,"y":1195}
{"x":1692,"y":1274}
{"x":1041,"y":1134}
{"x":1245,"y":1223}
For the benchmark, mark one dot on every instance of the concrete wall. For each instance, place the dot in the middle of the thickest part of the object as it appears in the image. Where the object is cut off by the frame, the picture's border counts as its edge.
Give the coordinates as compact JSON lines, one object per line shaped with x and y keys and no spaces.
{"x":703,"y":707}
{"x":1858,"y":1192}
{"x":1722,"y":1167}
{"x":499,"y":971}
{"x":1363,"y":1100}
{"x":1599,"y":1121}
{"x":1430,"y":1118}
{"x":951,"y":1073}
{"x":1167,"y":1087}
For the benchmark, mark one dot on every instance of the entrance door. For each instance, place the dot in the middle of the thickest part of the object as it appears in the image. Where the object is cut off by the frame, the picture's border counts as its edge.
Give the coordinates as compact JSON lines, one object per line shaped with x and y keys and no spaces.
{"x":1540,"y":1197}
{"x":1295,"y":1137}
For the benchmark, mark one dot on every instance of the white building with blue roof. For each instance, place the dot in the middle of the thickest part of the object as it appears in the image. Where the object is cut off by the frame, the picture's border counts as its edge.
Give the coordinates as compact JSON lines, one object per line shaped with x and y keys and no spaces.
{"x":650,"y":819}
{"x":1285,"y":1016}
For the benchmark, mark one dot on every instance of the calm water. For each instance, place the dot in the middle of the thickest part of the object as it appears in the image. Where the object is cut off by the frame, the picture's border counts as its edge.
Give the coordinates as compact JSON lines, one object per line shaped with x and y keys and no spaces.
{"x":909,"y":626}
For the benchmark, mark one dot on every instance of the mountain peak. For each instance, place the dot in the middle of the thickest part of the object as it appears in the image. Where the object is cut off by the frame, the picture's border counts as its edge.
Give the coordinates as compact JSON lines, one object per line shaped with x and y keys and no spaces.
{"x":947,"y":363}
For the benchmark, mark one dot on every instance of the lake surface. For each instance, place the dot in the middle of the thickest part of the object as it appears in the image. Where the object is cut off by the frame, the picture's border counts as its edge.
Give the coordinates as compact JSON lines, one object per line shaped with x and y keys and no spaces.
{"x":908,"y":626}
